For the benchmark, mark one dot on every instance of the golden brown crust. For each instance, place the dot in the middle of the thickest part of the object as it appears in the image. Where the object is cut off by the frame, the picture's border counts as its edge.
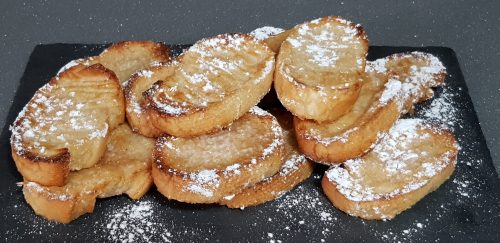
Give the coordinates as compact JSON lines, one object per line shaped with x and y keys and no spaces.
{"x":64,"y":127}
{"x":124,"y":168}
{"x":210,"y":89}
{"x":351,"y":191}
{"x":50,"y":171}
{"x":313,"y":83}
{"x":395,"y":84}
{"x":196,"y":170}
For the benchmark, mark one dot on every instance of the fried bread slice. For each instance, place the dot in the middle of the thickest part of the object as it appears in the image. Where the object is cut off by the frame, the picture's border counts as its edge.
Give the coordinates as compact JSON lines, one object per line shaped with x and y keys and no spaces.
{"x":294,"y":170}
{"x":136,"y":106}
{"x":204,"y":169}
{"x":412,"y":160}
{"x":215,"y":81}
{"x":65,"y":126}
{"x":272,"y":36}
{"x":125,"y":168}
{"x":127,"y":57}
{"x":320,"y":68}
{"x":394,"y":85}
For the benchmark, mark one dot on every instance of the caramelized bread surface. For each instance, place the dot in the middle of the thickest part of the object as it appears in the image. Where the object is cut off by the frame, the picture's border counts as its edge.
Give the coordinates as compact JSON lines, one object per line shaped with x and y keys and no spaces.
{"x":410,"y":161}
{"x":213,"y":83}
{"x":320,"y":68}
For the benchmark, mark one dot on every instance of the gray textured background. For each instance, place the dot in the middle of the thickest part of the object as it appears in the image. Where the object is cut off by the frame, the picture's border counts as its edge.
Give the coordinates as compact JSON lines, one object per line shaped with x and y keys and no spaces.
{"x":471,"y":28}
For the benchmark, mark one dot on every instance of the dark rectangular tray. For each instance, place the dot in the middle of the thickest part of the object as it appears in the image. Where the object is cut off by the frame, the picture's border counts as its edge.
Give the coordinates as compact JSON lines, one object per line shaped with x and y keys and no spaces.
{"x":465,"y":208}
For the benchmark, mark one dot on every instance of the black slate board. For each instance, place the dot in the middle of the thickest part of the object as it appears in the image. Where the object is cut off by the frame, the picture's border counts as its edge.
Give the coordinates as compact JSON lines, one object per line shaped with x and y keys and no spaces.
{"x":466,"y":208}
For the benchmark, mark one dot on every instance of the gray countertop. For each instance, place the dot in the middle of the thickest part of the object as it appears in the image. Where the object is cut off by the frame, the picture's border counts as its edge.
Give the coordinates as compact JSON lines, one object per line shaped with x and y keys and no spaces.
{"x":471,"y":28}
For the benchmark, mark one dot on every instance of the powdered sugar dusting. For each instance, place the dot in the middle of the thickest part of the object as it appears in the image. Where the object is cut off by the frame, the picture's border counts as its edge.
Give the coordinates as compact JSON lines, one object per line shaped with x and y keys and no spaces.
{"x":407,"y":89}
{"x":145,"y":73}
{"x":325,"y":44}
{"x":70,"y":65}
{"x":265,"y":32}
{"x":377,"y":66}
{"x":259,"y":111}
{"x":343,"y":138}
{"x":210,"y":70}
{"x":203,"y":182}
{"x":292,"y":164}
{"x":396,"y":153}
{"x":392,"y":89}
{"x":33,"y":186}
{"x":278,"y":140}
{"x":442,"y":110}
{"x":52,"y":112}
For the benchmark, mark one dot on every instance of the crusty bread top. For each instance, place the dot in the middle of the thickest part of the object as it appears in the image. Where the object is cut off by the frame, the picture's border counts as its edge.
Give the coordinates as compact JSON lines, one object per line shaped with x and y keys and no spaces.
{"x":68,"y":115}
{"x":126,"y":57}
{"x":329,"y":53}
{"x":403,"y":78}
{"x":404,"y":160}
{"x":252,"y":137}
{"x":209,"y":71}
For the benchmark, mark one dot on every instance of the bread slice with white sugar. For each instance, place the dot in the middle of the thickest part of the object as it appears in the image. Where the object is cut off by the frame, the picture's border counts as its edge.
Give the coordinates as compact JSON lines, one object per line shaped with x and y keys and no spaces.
{"x":214,"y":82}
{"x":127,"y":57}
{"x":320,"y":68}
{"x":136,"y":106}
{"x":394,"y":84}
{"x":295,"y":169}
{"x":125,"y":168}
{"x":66,"y":125}
{"x":410,"y":161}
{"x":206,"y":168}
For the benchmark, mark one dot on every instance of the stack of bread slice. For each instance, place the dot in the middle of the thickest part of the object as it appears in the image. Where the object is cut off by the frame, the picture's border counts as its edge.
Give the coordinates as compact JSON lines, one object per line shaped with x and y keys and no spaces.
{"x":345,"y":109}
{"x":213,"y":144}
{"x":69,"y":142}
{"x":195,"y":130}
